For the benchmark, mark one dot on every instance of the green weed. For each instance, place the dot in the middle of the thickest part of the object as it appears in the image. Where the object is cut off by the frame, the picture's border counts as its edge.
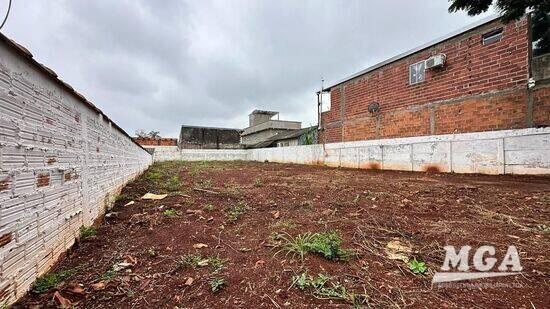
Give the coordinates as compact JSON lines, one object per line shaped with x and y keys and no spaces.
{"x":87,"y":231}
{"x":108,"y":275}
{"x":51,"y":280}
{"x":417,"y":267}
{"x":327,"y":244}
{"x":208,"y":207}
{"x":236,"y":211}
{"x":320,"y":288}
{"x":170,"y":212}
{"x":217,"y":284}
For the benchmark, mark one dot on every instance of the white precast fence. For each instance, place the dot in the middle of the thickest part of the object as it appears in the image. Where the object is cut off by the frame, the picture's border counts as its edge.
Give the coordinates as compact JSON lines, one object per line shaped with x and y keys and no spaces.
{"x":523,"y":151}
{"x":62,"y":162}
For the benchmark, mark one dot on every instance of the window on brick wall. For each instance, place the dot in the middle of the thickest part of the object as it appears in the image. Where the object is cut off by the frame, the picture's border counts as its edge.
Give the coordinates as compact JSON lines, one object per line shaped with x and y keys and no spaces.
{"x":492,"y":36}
{"x":326,"y":102}
{"x":417,"y":72}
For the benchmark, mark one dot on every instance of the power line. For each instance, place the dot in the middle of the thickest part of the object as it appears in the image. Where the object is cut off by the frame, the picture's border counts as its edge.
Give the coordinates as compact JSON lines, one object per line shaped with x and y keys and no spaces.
{"x":7,"y":13}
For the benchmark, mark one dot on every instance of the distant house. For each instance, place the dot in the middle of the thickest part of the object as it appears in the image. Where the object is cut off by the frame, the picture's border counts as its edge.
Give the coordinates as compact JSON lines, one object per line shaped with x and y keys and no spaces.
{"x":196,"y":137}
{"x":305,"y":136}
{"x":262,"y":127}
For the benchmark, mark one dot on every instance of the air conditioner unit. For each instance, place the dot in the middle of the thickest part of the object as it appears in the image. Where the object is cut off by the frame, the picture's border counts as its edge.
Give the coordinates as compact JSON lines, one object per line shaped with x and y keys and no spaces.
{"x":436,"y":61}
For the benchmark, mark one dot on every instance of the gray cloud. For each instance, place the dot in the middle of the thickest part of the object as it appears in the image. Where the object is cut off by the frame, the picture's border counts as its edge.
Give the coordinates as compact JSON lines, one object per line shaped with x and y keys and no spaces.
{"x":160,"y":64}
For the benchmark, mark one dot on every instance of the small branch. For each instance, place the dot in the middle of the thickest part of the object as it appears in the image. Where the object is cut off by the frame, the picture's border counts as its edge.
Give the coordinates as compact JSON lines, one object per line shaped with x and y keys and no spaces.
{"x":206,"y":191}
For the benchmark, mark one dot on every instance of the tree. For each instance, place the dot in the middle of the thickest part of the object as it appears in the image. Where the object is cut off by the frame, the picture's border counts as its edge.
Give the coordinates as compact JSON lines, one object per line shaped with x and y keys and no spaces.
{"x":509,"y":9}
{"x":514,"y":10}
{"x":152,"y":134}
{"x":541,"y":33}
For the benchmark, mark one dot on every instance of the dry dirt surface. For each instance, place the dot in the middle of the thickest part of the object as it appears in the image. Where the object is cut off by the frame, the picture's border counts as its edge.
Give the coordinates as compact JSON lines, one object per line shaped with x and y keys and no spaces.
{"x":266,"y":235}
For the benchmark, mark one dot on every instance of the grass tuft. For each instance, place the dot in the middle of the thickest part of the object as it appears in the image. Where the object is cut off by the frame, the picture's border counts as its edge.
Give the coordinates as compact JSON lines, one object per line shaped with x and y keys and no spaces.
{"x":236,"y":211}
{"x":87,"y":232}
{"x":51,"y":280}
{"x":327,"y":244}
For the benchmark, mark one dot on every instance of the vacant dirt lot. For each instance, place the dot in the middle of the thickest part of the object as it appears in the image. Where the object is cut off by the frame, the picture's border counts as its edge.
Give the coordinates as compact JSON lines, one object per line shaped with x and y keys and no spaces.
{"x":236,"y":234}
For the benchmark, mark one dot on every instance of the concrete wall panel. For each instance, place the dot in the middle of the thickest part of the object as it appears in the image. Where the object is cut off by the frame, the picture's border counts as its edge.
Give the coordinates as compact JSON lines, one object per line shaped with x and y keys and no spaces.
{"x":62,"y":163}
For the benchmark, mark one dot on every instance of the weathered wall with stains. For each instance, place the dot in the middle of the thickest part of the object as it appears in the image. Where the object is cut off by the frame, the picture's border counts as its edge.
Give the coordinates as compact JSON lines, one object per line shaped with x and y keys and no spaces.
{"x":524,"y":151}
{"x":61,"y":163}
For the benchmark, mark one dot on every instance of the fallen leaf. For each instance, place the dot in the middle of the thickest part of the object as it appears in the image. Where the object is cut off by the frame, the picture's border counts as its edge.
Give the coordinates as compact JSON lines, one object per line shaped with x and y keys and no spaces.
{"x":200,"y":246}
{"x":77,"y":289}
{"x":397,"y":250}
{"x":189,"y":281}
{"x":130,"y":203}
{"x":62,"y":301}
{"x":130,"y":259}
{"x":98,"y":286}
{"x":121,"y":266}
{"x":276,"y":214}
{"x":203,"y":263}
{"x":152,"y":196}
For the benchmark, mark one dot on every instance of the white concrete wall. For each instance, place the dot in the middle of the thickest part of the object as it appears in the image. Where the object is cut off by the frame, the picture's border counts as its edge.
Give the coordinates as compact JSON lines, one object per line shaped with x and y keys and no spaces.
{"x":174,"y":153}
{"x":525,"y":151}
{"x":61,"y":164}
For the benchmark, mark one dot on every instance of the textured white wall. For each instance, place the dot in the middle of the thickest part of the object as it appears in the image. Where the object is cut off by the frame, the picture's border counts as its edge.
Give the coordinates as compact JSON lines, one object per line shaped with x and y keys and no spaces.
{"x":525,"y":151}
{"x":61,"y":165}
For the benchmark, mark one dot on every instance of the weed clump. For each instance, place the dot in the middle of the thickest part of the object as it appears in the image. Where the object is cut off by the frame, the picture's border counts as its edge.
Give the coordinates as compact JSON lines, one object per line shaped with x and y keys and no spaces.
{"x":327,"y":244}
{"x":87,"y":232}
{"x":236,"y":211}
{"x":50,"y":281}
{"x":170,"y":212}
{"x":320,"y":288}
{"x":216,"y":284}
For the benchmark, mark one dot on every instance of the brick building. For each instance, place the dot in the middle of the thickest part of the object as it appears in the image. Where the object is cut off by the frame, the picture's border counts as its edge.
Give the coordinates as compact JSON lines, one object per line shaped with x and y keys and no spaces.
{"x":483,"y":85}
{"x":162,"y":141}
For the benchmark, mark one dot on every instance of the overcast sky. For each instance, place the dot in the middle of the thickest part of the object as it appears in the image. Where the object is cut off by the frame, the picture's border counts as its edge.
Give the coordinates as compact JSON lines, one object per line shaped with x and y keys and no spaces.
{"x":159,"y":64}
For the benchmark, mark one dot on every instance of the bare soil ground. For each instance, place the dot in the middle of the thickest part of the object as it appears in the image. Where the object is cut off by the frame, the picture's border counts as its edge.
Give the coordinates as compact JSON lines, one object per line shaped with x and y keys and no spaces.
{"x":152,"y":254}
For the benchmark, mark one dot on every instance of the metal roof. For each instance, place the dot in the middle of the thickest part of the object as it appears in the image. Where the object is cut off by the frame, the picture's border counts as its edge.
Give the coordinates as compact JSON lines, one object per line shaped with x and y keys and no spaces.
{"x":417,"y":49}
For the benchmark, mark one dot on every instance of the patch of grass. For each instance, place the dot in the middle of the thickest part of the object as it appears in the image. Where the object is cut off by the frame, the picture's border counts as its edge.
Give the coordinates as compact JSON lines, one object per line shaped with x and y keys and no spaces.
{"x":320,"y":288}
{"x":87,"y":232}
{"x":327,"y":244}
{"x":417,"y":267}
{"x":285,"y":224}
{"x":208,"y":207}
{"x":170,"y":212}
{"x":121,"y":197}
{"x":216,"y":284}
{"x":108,"y":275}
{"x":204,"y":184}
{"x":51,"y":280}
{"x":236,"y":211}
{"x":153,"y":176}
{"x":217,"y":263}
{"x":173,"y":184}
{"x":258,"y":183}
{"x":189,"y":260}
{"x":152,"y":251}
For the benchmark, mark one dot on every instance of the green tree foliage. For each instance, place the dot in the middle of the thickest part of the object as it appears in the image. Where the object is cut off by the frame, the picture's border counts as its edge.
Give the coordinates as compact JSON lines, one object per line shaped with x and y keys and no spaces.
{"x":514,"y":10}
{"x":509,"y":9}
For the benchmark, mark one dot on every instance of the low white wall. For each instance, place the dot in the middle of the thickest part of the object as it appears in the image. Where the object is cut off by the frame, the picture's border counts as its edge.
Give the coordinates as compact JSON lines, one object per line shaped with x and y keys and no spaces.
{"x":174,"y":153}
{"x":524,"y":151}
{"x":62,"y":162}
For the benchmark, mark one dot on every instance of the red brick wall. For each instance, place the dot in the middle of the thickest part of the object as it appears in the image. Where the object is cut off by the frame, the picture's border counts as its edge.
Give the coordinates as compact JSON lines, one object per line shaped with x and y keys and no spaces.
{"x":541,"y":107}
{"x":156,"y":142}
{"x":457,"y":97}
